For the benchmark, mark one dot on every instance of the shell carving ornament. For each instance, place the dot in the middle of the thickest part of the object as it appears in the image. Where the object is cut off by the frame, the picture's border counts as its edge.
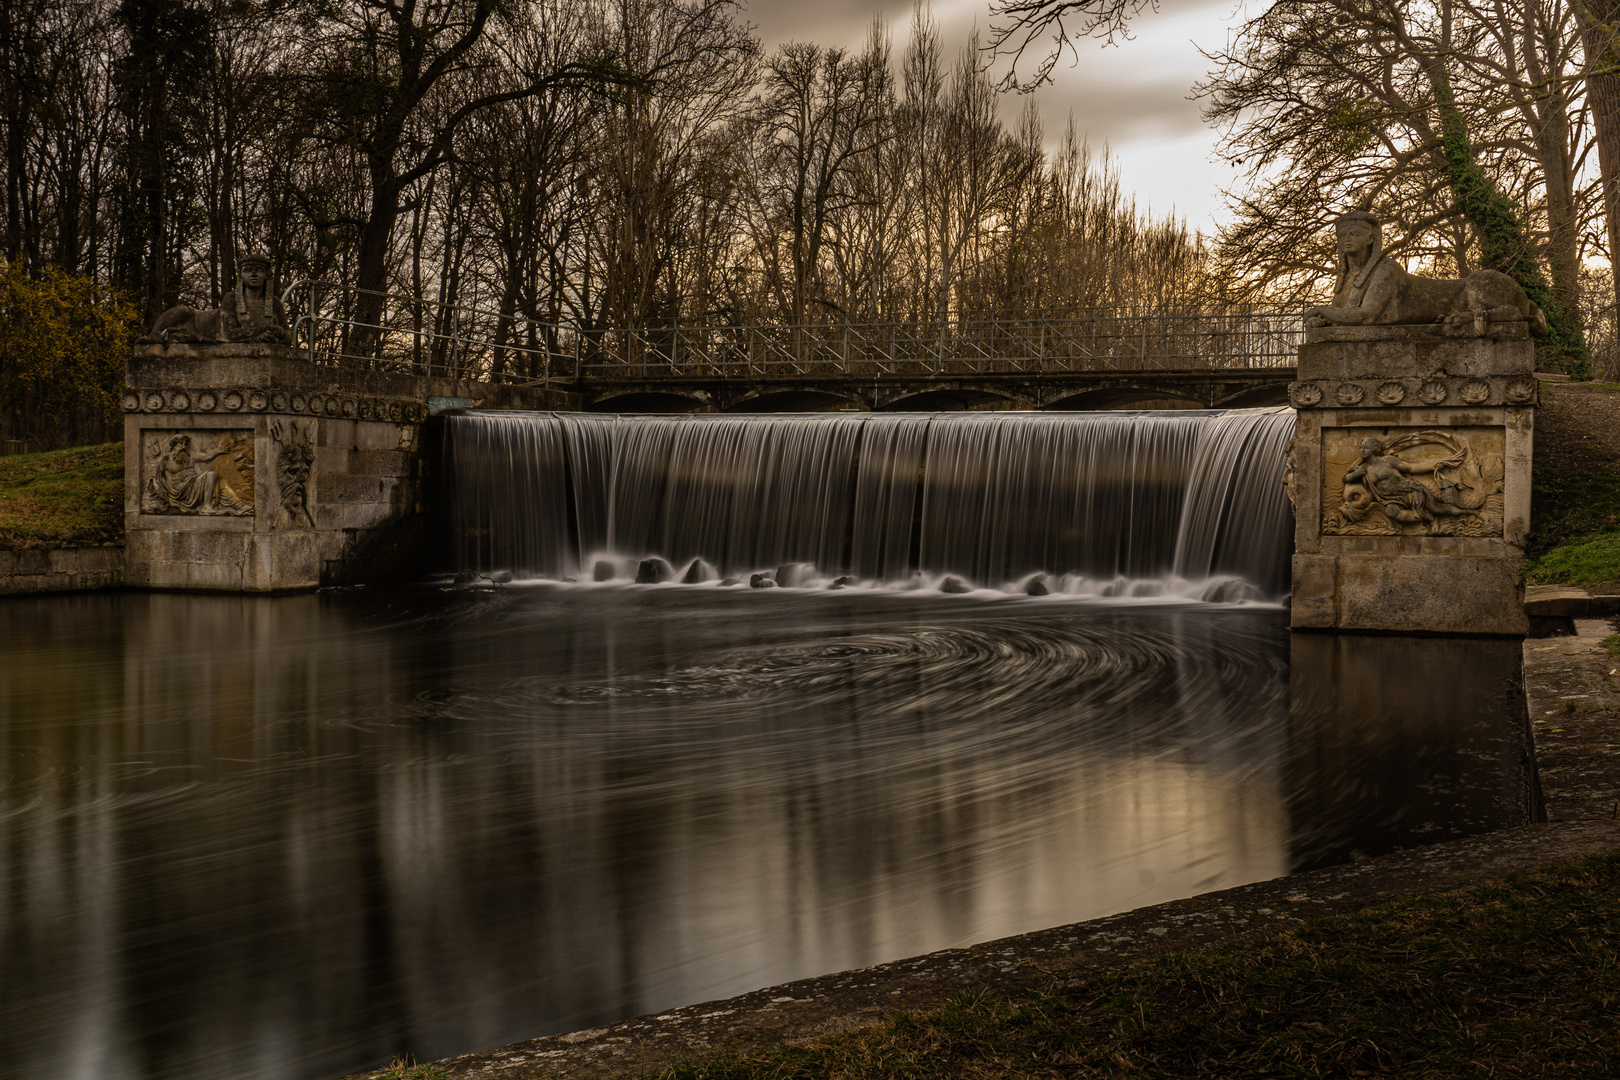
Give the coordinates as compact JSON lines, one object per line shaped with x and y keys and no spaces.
{"x":247,"y":400}
{"x":1390,"y":393}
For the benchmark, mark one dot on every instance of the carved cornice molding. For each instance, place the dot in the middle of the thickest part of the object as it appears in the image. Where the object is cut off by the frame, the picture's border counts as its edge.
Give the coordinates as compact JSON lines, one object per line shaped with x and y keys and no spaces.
{"x":1417,"y":333}
{"x":1412,"y":393}
{"x":247,"y":401}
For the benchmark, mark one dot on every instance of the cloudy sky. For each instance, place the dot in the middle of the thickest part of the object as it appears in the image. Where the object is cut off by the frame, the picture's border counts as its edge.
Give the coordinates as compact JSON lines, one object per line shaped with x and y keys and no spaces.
{"x":1133,"y":95}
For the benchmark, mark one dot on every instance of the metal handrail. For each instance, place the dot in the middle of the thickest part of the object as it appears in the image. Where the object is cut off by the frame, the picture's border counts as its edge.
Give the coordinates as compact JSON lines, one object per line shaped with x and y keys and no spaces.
{"x":1143,"y":342}
{"x":457,"y":342}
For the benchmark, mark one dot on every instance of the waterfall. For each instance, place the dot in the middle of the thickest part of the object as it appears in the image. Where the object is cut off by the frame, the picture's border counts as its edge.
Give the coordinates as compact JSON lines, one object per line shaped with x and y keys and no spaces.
{"x":1098,"y":502}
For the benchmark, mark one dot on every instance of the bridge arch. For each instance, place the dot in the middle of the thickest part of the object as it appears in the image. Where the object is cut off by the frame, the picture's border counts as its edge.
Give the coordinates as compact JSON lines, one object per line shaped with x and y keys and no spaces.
{"x":650,"y":401}
{"x":805,"y":399}
{"x":1125,"y":398}
{"x":949,"y":399}
{"x":1256,"y":397}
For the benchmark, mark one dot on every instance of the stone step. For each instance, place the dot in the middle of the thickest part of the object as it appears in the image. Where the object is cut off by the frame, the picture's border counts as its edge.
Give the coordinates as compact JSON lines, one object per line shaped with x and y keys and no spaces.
{"x":1568,"y":602}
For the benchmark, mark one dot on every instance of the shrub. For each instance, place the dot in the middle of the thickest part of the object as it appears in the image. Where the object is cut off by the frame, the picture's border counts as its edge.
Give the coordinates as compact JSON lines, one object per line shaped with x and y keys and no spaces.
{"x":63,"y":343}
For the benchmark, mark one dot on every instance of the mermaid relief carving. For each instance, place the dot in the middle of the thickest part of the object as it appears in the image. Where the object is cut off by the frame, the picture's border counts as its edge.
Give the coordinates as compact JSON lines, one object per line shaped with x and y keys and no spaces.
{"x":1426,"y":482}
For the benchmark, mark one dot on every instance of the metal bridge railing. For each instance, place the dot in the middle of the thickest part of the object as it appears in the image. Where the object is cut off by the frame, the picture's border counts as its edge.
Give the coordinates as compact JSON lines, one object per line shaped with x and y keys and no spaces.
{"x":1144,"y":342}
{"x":422,"y":337}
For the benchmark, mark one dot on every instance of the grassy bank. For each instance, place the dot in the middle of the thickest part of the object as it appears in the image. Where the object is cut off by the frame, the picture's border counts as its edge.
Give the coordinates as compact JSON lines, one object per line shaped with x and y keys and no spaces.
{"x":63,"y":497}
{"x":1575,"y":502}
{"x":1519,"y":978}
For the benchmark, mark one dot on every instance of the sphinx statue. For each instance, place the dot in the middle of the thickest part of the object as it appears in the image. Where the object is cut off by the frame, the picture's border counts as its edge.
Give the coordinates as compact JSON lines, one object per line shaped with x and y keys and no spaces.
{"x":1374,"y":290}
{"x":251,"y":313}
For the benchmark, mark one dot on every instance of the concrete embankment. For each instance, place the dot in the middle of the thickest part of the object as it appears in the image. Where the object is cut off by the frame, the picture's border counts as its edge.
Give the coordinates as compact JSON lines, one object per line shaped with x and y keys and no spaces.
{"x":1573,"y":695}
{"x":64,"y":569}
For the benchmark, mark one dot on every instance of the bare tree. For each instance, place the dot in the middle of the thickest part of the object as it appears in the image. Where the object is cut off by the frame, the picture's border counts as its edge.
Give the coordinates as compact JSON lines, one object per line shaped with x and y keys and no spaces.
{"x":1599,"y":22}
{"x":1049,"y":27}
{"x":820,"y":111}
{"x":373,"y":64}
{"x":1442,"y":114}
{"x":651,"y":138}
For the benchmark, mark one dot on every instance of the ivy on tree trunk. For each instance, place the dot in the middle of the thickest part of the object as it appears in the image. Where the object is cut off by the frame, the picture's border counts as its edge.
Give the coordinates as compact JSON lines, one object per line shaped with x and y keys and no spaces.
{"x":1503,"y":244}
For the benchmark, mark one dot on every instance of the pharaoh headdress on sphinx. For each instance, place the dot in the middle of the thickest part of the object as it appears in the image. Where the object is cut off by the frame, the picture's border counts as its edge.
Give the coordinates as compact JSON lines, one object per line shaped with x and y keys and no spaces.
{"x":1364,"y":217}
{"x":263,"y":309}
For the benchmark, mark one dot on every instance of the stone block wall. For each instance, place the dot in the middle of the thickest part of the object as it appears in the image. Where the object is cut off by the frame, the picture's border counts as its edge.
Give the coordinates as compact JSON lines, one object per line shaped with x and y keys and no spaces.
{"x":250,"y":469}
{"x":1410,"y":477}
{"x":61,"y":569}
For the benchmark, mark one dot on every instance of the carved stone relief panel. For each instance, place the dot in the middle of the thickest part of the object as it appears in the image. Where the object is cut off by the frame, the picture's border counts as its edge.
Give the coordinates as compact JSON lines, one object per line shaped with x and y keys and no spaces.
{"x":1406,"y":482}
{"x":295,"y":460}
{"x":206,"y":473}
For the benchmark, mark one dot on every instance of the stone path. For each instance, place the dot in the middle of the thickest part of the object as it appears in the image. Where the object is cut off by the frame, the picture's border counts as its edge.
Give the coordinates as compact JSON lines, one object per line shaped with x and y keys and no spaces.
{"x":1572,"y":687}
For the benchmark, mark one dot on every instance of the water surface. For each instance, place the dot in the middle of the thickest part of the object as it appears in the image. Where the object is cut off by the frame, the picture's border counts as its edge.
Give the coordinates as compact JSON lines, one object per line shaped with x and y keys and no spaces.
{"x":293,"y":837}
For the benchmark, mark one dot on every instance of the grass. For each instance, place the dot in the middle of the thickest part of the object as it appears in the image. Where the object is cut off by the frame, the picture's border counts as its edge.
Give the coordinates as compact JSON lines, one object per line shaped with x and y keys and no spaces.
{"x":1518,"y":978}
{"x":1573,"y":499}
{"x":1612,"y":643}
{"x":1587,"y":563}
{"x":408,"y":1069}
{"x":1575,"y":536}
{"x":63,"y":497}
{"x":1600,"y":387}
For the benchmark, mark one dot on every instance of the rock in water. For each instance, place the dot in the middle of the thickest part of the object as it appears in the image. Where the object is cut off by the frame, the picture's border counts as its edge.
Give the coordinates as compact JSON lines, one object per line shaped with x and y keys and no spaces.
{"x":1036,"y":586}
{"x":841,"y":582}
{"x":1230,"y":591}
{"x":761,"y":581}
{"x":501,"y":577}
{"x":652,"y":571}
{"x":469,"y":577}
{"x":730,"y":581}
{"x":696,"y":574}
{"x":954,"y":585}
{"x":604,"y":571}
{"x":790,"y":574}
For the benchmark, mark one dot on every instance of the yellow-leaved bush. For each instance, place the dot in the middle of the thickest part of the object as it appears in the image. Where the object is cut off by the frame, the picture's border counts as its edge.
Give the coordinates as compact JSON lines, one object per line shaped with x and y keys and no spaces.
{"x":63,"y":342}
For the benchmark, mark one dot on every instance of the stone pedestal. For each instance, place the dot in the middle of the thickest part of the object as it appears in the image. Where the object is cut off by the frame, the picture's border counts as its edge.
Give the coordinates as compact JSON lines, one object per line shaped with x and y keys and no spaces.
{"x":1410,"y":476}
{"x":250,"y":469}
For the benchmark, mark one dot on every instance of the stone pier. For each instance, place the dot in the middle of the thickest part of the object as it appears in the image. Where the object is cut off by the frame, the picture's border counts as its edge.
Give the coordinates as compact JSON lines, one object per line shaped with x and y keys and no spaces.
{"x":250,"y":469}
{"x":1410,"y":476}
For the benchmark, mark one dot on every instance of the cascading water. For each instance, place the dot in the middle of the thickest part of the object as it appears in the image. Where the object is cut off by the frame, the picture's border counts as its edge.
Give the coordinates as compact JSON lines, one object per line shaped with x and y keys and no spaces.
{"x":1093,"y":502}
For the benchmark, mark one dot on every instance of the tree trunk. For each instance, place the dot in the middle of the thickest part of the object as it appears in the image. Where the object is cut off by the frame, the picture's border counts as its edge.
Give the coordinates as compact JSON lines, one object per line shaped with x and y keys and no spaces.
{"x":1600,"y":34}
{"x":371,"y":262}
{"x":1503,"y":244}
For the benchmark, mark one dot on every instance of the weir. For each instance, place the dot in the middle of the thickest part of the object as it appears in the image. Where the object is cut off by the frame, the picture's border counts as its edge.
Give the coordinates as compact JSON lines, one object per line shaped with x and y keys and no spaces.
{"x":1109,"y":503}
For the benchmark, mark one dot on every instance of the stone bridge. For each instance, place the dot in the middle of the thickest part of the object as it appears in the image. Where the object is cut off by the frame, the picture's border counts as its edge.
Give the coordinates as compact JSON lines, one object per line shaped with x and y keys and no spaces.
{"x":1233,"y":359}
{"x":786,"y":391}
{"x":1224,"y":357}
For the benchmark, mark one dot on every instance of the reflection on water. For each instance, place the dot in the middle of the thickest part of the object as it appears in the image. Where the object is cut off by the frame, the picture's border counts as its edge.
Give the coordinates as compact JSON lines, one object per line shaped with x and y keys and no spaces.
{"x":292,"y":837}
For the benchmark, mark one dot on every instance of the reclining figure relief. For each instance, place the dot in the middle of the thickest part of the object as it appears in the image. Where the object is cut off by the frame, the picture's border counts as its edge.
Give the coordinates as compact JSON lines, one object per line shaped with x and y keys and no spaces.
{"x":1374,"y":290}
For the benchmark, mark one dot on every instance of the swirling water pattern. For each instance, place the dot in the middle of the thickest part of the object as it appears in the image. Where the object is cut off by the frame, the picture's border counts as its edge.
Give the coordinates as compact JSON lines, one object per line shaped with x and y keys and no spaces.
{"x":294,"y":837}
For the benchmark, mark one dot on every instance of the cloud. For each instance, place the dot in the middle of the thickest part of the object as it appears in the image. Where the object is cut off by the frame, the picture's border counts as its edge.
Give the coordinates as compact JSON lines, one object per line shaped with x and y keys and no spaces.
{"x":1132,"y":95}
